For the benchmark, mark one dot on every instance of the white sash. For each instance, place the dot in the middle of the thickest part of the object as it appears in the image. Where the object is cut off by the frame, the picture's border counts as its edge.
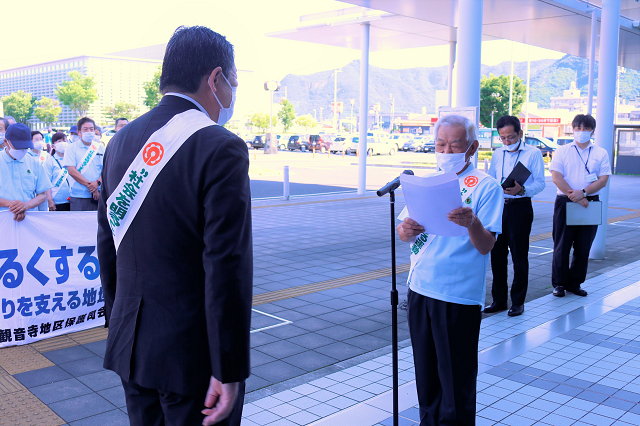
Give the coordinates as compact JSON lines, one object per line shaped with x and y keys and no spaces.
{"x":126,"y":199}
{"x":61,"y":177}
{"x":424,"y":240}
{"x":88,"y":158}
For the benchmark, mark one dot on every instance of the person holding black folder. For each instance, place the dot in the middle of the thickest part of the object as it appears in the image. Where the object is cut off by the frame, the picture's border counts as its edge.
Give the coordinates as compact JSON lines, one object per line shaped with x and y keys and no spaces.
{"x":579,"y":170}
{"x":520,"y":170}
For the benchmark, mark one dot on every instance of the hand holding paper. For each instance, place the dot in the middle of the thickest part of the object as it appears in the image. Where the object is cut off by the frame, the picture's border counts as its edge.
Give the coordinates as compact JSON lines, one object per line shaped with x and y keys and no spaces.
{"x":431,"y":199}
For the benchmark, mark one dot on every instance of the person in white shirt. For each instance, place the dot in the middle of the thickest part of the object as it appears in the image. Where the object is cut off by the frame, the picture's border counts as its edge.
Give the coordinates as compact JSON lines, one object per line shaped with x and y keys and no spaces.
{"x":579,"y":170}
{"x":447,"y":283}
{"x":517,"y":216}
{"x":83,"y":160}
{"x":40,"y":153}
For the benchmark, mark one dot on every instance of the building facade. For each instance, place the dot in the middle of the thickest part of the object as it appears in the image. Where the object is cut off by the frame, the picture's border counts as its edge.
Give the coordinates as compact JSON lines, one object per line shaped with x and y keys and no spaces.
{"x":118,"y":79}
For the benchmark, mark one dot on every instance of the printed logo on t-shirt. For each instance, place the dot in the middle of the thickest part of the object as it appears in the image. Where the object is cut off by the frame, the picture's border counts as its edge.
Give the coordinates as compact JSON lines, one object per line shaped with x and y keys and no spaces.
{"x":471,"y":181}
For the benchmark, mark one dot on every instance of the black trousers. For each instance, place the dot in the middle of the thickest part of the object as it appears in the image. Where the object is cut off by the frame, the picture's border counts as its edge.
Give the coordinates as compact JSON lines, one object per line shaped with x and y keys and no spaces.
{"x":444,"y":337}
{"x":565,"y":237}
{"x":83,"y":204}
{"x":63,"y":207}
{"x":517,"y":218}
{"x":150,"y":407}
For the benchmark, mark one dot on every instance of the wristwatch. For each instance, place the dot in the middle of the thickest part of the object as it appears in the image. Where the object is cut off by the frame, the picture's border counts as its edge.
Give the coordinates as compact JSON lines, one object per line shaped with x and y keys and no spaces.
{"x":522,"y":191}
{"x":584,"y":192}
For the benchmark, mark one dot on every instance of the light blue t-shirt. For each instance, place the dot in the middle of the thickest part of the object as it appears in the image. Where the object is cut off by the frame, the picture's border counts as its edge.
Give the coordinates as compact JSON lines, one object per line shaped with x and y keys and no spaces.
{"x":21,"y":179}
{"x":44,"y":207}
{"x":451,"y":269}
{"x":53,"y":166}
{"x":73,"y":156}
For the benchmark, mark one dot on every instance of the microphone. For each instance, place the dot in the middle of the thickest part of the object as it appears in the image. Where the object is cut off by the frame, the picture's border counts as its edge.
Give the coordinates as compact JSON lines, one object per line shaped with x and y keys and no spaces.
{"x":393,"y":185}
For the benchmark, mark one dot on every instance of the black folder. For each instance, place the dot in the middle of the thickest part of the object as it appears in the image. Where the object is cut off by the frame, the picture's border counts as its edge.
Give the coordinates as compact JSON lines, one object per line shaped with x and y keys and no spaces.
{"x":519,"y":174}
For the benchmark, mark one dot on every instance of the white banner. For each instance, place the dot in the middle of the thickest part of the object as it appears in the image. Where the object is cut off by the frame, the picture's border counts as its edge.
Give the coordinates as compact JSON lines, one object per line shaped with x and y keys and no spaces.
{"x":49,"y":276}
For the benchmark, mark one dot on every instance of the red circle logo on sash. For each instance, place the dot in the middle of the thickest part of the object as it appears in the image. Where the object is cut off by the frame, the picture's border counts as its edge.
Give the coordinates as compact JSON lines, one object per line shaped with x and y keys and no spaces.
{"x":471,"y":181}
{"x":152,"y":153}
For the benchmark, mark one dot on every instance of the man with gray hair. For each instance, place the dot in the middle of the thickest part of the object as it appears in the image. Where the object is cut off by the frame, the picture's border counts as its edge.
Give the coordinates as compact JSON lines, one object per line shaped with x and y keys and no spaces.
{"x":447,"y":282}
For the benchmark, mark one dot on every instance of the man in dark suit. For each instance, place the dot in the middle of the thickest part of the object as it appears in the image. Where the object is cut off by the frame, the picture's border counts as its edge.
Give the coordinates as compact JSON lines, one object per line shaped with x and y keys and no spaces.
{"x":178,"y":292}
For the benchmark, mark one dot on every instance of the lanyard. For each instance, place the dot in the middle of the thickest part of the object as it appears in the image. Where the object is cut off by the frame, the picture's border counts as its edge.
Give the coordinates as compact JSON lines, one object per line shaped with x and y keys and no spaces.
{"x":588,"y":155}
{"x":514,"y":164}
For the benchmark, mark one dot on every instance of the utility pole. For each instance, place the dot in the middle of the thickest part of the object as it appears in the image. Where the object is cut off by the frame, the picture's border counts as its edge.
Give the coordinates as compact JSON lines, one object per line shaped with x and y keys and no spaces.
{"x":511,"y":84}
{"x":393,"y":110}
{"x":353,"y":101}
{"x":335,"y":101}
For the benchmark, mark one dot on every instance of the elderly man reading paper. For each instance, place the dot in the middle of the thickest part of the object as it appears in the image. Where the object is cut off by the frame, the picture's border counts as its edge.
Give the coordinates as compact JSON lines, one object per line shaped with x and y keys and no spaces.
{"x":447,"y":283}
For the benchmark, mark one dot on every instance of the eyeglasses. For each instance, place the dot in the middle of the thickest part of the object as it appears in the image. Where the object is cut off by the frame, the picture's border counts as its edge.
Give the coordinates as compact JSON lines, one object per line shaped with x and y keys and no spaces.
{"x":511,"y":138}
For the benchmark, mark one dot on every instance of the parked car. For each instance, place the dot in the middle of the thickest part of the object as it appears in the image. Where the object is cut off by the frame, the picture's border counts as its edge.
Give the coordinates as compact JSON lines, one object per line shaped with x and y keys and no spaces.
{"x":283,"y":140}
{"x":107,"y":135}
{"x":298,"y":142}
{"x":564,"y":140}
{"x":340,"y":144}
{"x":544,"y":144}
{"x":321,"y":143}
{"x":377,"y":146}
{"x":259,"y":141}
{"x":413,"y":144}
{"x":400,"y":139}
{"x":351,"y":145}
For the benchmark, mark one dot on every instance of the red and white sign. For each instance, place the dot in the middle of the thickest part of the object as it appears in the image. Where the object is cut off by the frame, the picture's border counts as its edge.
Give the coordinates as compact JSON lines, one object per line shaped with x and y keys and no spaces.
{"x":339,"y":109}
{"x":540,"y":120}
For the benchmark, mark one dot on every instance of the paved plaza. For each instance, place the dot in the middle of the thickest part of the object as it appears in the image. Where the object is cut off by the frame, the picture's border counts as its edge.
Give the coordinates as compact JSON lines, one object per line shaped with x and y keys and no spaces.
{"x":321,"y":330}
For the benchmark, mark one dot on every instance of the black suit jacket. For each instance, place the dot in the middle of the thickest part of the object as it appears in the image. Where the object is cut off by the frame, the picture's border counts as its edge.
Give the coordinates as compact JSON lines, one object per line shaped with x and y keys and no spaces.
{"x":178,"y":293}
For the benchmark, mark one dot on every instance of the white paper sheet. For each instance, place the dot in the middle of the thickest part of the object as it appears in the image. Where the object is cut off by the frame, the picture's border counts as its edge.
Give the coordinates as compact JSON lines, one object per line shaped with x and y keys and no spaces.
{"x":429,"y":199}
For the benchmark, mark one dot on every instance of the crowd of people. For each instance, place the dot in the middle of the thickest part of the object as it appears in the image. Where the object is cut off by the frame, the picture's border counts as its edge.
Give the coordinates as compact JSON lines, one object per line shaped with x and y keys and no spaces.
{"x":51,"y":171}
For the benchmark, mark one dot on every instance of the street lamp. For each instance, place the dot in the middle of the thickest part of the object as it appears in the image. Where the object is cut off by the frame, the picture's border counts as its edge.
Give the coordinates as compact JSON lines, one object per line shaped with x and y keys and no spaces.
{"x":270,"y":146}
{"x":353,"y":101}
{"x":335,"y":100}
{"x":492,"y":112}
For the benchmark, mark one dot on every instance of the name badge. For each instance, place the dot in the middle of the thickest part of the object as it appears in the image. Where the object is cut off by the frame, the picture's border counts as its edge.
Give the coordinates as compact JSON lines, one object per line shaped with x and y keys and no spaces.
{"x":591,"y":177}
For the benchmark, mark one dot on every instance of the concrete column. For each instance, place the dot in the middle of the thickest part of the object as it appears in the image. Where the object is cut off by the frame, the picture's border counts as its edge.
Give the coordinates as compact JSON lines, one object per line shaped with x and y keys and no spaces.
{"x":469,"y":53}
{"x":364,"y":110}
{"x":607,"y":73}
{"x":592,"y":59}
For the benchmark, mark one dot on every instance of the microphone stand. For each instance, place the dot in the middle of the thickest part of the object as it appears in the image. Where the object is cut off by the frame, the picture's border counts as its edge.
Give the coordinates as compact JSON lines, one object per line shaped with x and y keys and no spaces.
{"x":390,"y":187}
{"x":394,"y":309}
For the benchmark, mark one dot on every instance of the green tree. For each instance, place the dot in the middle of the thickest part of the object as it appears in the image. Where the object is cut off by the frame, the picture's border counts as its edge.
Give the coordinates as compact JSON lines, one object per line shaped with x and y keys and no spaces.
{"x":306,"y":121}
{"x":78,"y":93}
{"x":286,"y":114}
{"x":152,"y":90}
{"x":494,"y":96}
{"x":47,"y":110}
{"x":261,"y":121}
{"x":122,"y":110}
{"x":19,"y":105}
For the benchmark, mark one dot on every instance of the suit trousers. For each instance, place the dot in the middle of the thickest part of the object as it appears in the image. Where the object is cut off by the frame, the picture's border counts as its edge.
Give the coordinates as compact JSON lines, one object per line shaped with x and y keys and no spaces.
{"x":444,"y":337}
{"x":151,"y":407}
{"x":517,"y":218}
{"x":83,"y":204}
{"x":565,"y":237}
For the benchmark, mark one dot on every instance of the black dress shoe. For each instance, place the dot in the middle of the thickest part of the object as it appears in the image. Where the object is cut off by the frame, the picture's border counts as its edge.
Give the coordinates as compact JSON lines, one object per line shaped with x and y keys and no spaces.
{"x":558,"y":291}
{"x":515,"y":310}
{"x":578,"y":292}
{"x":495,"y":307}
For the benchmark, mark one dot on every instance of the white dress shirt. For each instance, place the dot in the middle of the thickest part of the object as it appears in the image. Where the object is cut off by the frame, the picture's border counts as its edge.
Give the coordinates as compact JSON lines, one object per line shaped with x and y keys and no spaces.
{"x":503,"y":161}
{"x":574,"y":164}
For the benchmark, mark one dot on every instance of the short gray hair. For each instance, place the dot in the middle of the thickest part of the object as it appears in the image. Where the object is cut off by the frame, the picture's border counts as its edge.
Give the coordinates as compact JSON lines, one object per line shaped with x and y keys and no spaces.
{"x":459,"y":120}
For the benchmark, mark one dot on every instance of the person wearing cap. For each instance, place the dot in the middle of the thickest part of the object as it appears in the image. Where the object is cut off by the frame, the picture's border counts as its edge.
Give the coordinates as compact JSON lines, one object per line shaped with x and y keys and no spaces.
{"x":73,"y":134}
{"x":43,"y":157}
{"x":83,"y":160}
{"x":24,"y":181}
{"x":580,"y":170}
{"x":56,"y":173}
{"x":4,"y":125}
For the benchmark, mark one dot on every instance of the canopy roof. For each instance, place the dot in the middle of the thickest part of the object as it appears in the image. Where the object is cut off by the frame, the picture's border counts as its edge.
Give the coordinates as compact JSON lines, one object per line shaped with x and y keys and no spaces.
{"x":561,"y":25}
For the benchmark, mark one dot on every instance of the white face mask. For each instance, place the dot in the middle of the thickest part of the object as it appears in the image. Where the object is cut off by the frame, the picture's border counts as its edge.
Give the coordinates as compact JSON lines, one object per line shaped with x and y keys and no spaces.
{"x":226,"y":113}
{"x":18,"y":154}
{"x":61,"y":146}
{"x":39,"y":145}
{"x":88,"y":136}
{"x":451,"y":162}
{"x":514,"y":146}
{"x":74,"y":138}
{"x":582,"y":137}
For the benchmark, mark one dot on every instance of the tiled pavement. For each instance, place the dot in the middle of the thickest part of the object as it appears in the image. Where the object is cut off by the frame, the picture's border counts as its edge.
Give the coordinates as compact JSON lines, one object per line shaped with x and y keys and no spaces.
{"x":578,"y":365}
{"x":323,"y":333}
